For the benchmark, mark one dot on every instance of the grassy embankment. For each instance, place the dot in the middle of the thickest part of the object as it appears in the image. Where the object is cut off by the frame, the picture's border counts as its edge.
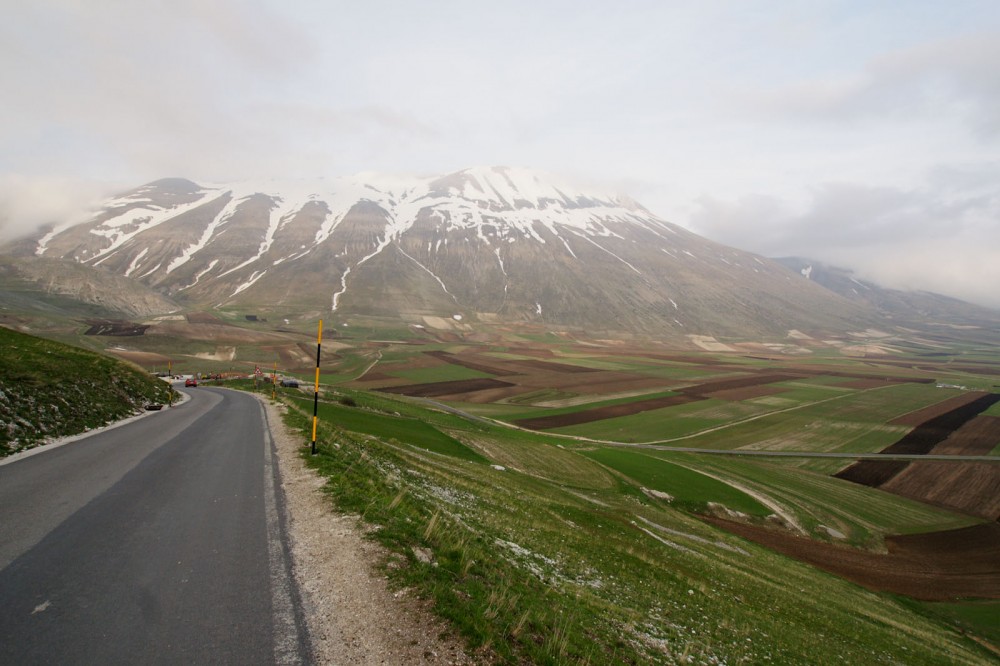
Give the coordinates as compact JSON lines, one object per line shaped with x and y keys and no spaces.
{"x":49,"y":389}
{"x":564,"y":555}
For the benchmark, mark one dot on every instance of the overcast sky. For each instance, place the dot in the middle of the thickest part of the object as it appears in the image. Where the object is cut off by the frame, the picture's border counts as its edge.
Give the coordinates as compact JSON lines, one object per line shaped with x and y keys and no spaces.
{"x":864,"y":134}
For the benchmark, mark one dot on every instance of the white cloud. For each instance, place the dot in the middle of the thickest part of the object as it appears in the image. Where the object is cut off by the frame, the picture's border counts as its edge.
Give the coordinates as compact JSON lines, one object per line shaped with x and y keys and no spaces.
{"x":942,"y":236}
{"x":27,"y":203}
{"x":955,"y":76}
{"x":816,"y":126}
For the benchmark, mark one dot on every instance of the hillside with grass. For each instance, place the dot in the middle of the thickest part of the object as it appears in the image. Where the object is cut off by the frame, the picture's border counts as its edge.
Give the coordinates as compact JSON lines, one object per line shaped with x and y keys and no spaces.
{"x":49,"y":389}
{"x":569,"y":502}
{"x":542,"y":549}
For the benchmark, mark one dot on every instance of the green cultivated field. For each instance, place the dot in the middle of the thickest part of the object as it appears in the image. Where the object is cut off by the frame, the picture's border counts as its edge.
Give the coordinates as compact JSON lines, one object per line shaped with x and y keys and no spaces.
{"x":548,"y":548}
{"x":553,"y":548}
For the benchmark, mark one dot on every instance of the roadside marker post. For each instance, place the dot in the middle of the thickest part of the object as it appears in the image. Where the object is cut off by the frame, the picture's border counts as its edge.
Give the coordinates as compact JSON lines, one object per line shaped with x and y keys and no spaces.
{"x":319,"y":343}
{"x":274,"y":380}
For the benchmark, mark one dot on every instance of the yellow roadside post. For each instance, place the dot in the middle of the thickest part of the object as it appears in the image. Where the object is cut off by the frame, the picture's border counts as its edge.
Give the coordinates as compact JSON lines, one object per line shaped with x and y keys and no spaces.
{"x":319,"y":342}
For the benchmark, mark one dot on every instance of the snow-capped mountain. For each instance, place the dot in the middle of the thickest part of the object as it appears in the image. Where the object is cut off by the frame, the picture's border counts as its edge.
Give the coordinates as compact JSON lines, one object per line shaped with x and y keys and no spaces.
{"x":493,"y":244}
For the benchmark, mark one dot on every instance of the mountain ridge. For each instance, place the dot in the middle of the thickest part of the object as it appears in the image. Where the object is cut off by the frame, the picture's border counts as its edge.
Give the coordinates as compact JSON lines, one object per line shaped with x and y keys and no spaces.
{"x":487,"y":243}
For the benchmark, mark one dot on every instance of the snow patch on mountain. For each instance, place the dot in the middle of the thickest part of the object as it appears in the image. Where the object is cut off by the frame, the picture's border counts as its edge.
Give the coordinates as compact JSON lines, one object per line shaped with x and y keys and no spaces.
{"x":132,"y":222}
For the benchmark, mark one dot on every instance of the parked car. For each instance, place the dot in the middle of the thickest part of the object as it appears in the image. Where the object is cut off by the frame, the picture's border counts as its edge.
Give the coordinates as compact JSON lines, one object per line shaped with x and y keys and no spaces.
{"x":190,"y":382}
{"x":290,"y":383}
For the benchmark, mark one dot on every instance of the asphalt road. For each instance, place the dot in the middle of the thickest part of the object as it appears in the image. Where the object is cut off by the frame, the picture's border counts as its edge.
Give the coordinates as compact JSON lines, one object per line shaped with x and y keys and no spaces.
{"x":160,"y":541}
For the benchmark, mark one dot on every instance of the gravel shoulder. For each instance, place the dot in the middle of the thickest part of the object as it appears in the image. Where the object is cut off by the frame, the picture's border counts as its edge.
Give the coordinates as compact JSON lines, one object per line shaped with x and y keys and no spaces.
{"x":352,"y":615}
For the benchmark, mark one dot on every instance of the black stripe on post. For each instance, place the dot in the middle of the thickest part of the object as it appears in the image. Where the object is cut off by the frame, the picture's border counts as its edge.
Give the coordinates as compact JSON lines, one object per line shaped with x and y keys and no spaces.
{"x":319,"y":343}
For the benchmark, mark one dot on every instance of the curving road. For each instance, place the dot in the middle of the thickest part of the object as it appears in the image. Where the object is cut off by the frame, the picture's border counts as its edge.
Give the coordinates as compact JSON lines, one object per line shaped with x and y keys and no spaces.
{"x":159,"y":541}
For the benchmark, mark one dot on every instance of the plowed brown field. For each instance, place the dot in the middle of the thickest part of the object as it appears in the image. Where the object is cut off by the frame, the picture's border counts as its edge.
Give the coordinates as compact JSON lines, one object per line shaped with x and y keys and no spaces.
{"x":976,"y":438}
{"x":737,"y":383}
{"x":748,"y":393}
{"x":969,"y":487}
{"x":492,"y":367}
{"x":937,"y":566}
{"x":601,"y":413}
{"x":447,"y":388}
{"x":933,"y":411}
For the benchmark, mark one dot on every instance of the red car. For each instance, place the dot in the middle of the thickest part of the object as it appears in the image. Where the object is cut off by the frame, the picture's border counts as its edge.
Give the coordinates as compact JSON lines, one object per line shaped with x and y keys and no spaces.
{"x":190,"y":382}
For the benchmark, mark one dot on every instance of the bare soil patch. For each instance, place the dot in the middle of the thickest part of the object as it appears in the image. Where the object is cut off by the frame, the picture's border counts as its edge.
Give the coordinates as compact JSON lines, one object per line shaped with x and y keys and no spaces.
{"x":487,"y":396}
{"x":202,"y":318}
{"x":601,"y":413}
{"x":748,"y":393}
{"x":738,"y":383}
{"x":976,"y":438}
{"x":115,"y":327}
{"x":436,"y":389}
{"x":220,"y":333}
{"x":966,"y":486}
{"x":933,"y":431}
{"x":595,"y":383}
{"x":969,"y":487}
{"x":141,"y":358}
{"x":919,"y":416}
{"x":537,"y":352}
{"x":864,"y":384}
{"x":548,"y":366}
{"x":936,"y":566}
{"x":872,"y":472}
{"x":479,"y":365}
{"x":375,"y":377}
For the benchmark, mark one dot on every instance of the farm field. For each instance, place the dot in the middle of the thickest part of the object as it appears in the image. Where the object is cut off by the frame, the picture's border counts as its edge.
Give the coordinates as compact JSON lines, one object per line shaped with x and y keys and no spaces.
{"x":580,"y":504}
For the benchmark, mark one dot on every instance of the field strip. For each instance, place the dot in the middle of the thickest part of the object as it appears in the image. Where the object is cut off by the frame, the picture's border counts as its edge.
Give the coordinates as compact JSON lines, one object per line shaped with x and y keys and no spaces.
{"x":766,"y":500}
{"x":659,"y":445}
{"x":378,"y":357}
{"x":761,"y":416}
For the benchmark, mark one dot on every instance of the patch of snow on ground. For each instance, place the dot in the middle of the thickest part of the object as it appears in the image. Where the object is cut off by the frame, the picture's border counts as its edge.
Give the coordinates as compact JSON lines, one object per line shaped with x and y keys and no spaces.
{"x":135,"y":262}
{"x":249,"y":283}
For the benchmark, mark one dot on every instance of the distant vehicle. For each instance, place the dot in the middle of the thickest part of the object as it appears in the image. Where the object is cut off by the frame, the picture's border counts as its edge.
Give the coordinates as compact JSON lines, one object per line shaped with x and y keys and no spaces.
{"x":154,"y":406}
{"x":190,"y":382}
{"x":290,"y":383}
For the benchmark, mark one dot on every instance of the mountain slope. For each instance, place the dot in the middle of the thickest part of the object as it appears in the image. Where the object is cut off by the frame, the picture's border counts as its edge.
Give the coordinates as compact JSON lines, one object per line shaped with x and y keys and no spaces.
{"x":38,"y":284}
{"x":494,"y":244}
{"x":903,"y":307}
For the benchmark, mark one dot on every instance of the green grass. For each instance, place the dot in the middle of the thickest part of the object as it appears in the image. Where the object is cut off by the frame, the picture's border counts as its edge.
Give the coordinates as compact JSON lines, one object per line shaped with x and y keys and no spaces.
{"x":534,"y":565}
{"x":657,"y":424}
{"x":689,"y":488}
{"x":979,"y":617}
{"x":864,"y":515}
{"x":400,"y":428}
{"x":48,"y":389}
